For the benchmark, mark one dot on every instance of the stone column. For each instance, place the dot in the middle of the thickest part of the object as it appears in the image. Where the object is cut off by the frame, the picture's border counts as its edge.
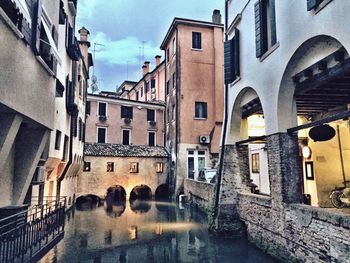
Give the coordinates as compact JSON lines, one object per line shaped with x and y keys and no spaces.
{"x":284,"y":168}
{"x":235,"y":178}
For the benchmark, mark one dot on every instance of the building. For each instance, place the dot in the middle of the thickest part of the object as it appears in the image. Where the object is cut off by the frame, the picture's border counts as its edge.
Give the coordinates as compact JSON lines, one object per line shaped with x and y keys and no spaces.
{"x":125,"y":147}
{"x":194,"y":95}
{"x":43,"y":83}
{"x":286,"y":71}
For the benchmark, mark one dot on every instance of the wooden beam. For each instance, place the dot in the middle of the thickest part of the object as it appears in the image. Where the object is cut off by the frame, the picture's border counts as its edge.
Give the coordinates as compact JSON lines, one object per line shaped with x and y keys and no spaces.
{"x":252,"y":139}
{"x":339,"y":116}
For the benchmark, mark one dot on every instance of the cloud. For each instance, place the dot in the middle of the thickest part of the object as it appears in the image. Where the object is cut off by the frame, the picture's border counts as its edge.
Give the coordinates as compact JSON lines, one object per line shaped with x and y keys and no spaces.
{"x":123,"y":51}
{"x":86,"y":8}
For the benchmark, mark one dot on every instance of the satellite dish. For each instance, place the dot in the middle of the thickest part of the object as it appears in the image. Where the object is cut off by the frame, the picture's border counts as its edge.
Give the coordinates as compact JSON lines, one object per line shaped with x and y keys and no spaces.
{"x":94,"y":79}
{"x":94,"y":87}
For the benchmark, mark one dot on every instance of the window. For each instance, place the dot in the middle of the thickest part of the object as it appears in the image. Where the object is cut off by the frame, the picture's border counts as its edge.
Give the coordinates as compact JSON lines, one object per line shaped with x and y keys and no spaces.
{"x":147,"y":86}
{"x":255,"y":163}
{"x":137,"y":95}
{"x":151,"y":139}
{"x":231,"y":58}
{"x":110,"y":167}
{"x":195,"y":162}
{"x":88,"y":107}
{"x":151,"y":115}
{"x":313,"y":4}
{"x":126,"y":137}
{"x":102,"y":109}
{"x":153,"y":85}
{"x":159,"y":167}
{"x":65,"y":148}
{"x":167,"y":55}
{"x":101,"y":134}
{"x":126,"y":112}
{"x":58,"y":140}
{"x":134,"y":167}
{"x":174,"y":46}
{"x":174,"y":81}
{"x":167,"y":88}
{"x":87,"y":166}
{"x":201,"y":110}
{"x":141,"y":92}
{"x":265,"y":26}
{"x":196,"y":40}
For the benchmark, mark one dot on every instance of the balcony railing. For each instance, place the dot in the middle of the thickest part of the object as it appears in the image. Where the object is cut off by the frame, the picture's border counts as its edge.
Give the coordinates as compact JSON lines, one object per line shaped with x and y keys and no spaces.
{"x":27,"y":235}
{"x":73,"y":49}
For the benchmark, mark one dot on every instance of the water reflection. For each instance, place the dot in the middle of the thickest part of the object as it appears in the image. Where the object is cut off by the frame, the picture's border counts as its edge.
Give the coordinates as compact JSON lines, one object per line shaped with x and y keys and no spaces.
{"x":158,"y":232}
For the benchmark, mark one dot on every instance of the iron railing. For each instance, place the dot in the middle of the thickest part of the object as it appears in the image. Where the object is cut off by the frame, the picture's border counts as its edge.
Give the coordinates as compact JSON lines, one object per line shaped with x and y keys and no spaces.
{"x":27,"y":235}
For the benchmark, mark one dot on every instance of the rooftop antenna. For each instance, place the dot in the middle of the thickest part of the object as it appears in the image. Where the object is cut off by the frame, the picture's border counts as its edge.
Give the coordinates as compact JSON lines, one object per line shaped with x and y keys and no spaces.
{"x":94,"y":86}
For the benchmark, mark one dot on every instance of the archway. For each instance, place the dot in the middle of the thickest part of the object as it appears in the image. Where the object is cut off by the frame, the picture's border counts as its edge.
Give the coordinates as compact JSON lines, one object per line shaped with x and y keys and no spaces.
{"x":141,"y":192}
{"x":162,"y":192}
{"x":116,"y":193}
{"x":315,"y":94}
{"x":247,"y":132}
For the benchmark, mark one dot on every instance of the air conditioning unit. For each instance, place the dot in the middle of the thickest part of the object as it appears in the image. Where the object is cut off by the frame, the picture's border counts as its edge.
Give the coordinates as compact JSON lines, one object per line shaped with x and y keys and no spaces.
{"x":127,"y":120}
{"x":204,"y":139}
{"x":152,"y":123}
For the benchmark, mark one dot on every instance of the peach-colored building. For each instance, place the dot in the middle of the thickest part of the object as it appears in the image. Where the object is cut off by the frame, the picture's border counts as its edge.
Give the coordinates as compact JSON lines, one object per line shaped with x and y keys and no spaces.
{"x":122,"y":121}
{"x":151,"y":87}
{"x":194,"y":91}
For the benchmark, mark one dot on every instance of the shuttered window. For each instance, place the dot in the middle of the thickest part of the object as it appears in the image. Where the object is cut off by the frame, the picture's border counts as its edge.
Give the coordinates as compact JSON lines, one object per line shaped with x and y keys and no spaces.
{"x":102,"y":109}
{"x":151,"y":115}
{"x":126,"y":137}
{"x":101,"y":135}
{"x":151,"y":139}
{"x":231,"y":58}
{"x":265,"y":26}
{"x":196,"y":40}
{"x":201,"y":110}
{"x":126,"y":112}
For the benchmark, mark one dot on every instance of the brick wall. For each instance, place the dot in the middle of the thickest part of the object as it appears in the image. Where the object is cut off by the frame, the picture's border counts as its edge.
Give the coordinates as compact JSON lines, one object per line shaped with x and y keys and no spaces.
{"x":200,"y":193}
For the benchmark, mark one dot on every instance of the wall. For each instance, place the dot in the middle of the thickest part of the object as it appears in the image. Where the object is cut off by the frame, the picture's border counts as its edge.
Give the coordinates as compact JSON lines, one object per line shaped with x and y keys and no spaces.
{"x":115,"y":124}
{"x":200,"y":193}
{"x":98,"y":180}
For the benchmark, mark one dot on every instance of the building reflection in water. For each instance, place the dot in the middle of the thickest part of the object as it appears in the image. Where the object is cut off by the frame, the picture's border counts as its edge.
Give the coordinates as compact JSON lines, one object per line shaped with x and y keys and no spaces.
{"x":146,"y":232}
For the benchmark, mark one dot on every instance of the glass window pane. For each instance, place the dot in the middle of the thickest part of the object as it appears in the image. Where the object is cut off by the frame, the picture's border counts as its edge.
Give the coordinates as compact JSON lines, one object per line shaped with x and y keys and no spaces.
{"x":190,"y":167}
{"x":201,"y":163}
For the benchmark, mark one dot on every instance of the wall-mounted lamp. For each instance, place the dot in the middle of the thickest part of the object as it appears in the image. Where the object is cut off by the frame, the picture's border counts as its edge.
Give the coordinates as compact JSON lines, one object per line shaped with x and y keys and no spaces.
{"x":306,"y":151}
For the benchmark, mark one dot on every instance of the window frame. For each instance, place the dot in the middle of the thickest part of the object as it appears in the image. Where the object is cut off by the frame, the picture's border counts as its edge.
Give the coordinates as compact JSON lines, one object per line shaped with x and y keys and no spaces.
{"x":105,"y":128}
{"x":203,"y":104}
{"x":122,"y":136}
{"x":110,"y":167}
{"x":98,"y":108}
{"x":128,"y":115}
{"x":154,"y":115}
{"x":197,"y":40}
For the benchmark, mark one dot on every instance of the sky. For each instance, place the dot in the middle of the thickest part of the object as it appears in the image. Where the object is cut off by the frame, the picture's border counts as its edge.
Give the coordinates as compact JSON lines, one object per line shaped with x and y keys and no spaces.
{"x":129,"y":32}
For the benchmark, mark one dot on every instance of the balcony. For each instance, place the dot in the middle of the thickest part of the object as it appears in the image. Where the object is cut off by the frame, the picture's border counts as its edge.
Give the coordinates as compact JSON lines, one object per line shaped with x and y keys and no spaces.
{"x":27,"y":234}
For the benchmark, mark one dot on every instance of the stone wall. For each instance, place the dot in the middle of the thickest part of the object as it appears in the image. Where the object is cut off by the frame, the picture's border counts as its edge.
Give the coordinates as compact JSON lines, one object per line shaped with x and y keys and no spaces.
{"x":296,"y":233}
{"x":200,"y":193}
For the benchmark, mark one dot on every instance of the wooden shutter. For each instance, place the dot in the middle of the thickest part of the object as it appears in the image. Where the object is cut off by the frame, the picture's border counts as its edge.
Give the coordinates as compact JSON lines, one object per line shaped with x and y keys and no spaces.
{"x":236,"y":52}
{"x":272,"y":14}
{"x":36,"y":25}
{"x":88,"y":107}
{"x":228,"y":66}
{"x":260,"y":27}
{"x":311,"y":4}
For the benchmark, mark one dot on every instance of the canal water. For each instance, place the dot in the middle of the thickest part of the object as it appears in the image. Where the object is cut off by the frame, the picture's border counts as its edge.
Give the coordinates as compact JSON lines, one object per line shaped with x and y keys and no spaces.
{"x":146,"y":231}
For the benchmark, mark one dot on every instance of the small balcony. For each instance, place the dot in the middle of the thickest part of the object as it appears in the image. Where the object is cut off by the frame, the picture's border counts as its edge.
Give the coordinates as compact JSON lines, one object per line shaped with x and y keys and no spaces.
{"x":27,"y":234}
{"x":73,"y":49}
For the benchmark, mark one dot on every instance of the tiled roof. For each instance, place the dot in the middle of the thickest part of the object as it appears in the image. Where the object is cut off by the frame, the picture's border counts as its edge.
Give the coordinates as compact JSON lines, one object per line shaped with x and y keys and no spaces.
{"x":119,"y":150}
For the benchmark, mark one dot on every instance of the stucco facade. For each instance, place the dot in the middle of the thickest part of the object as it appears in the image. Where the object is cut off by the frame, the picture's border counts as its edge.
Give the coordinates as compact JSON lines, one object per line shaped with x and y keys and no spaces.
{"x":194,"y":95}
{"x":283,"y":72}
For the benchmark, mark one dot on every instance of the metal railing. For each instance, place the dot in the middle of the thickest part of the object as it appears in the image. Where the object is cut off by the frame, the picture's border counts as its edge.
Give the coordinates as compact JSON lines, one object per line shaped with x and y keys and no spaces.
{"x":27,"y":235}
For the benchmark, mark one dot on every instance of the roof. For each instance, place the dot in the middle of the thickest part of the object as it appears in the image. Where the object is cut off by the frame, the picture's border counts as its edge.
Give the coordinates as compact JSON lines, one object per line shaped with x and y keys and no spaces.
{"x":185,"y":21}
{"x":125,"y":101}
{"x":119,"y":150}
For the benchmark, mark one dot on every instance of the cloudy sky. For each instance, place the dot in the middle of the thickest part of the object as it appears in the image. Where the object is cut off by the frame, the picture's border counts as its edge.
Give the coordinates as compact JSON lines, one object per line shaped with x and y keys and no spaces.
{"x":130,"y":30}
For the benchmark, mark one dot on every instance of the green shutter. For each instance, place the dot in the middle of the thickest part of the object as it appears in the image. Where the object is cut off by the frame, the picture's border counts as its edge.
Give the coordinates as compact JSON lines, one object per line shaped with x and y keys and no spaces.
{"x":228,"y":65}
{"x":236,"y":60}
{"x":272,"y":21}
{"x":260,"y":27}
{"x":37,"y":26}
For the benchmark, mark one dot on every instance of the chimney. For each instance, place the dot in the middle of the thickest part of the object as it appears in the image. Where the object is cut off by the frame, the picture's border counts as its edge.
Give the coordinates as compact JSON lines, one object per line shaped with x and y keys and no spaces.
{"x":216,"y":16}
{"x":144,"y":70}
{"x":147,"y":66}
{"x":84,"y":35}
{"x":158,"y":60}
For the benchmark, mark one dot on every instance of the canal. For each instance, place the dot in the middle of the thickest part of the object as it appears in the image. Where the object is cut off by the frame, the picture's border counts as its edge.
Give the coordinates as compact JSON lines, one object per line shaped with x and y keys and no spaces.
{"x":145,"y":231}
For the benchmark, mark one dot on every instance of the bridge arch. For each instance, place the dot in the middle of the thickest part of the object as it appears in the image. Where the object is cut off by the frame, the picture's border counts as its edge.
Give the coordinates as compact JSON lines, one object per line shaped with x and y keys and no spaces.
{"x":162,"y":192}
{"x":141,"y":192}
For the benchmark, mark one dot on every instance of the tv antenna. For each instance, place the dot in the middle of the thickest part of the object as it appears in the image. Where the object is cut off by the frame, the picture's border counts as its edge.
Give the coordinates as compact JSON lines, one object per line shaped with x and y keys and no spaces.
{"x":94,"y":86}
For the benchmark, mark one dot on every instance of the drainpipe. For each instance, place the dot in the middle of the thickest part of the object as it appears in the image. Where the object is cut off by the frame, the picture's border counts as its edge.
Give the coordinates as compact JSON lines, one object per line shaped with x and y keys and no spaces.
{"x":177,"y":91}
{"x":221,"y":164}
{"x":341,"y":156}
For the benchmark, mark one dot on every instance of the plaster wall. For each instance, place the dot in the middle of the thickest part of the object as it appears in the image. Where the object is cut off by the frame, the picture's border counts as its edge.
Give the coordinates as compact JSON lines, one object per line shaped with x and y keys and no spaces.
{"x":291,"y":34}
{"x":139,"y":125}
{"x":98,"y":180}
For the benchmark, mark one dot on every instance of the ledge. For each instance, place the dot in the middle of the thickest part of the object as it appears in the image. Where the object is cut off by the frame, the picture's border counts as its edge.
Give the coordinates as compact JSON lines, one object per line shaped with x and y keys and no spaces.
{"x":256,"y":199}
{"x":323,"y":214}
{"x":269,"y":51}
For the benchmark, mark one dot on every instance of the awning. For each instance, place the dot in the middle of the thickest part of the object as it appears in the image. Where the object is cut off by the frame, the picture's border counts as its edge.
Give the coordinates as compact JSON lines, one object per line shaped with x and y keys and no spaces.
{"x":23,"y":8}
{"x":51,"y":41}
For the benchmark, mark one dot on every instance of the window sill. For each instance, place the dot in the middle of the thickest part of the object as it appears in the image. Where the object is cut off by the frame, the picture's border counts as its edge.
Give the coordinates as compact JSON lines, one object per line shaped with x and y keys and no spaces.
{"x":10,"y":24}
{"x":45,"y":66}
{"x":197,"y":49}
{"x":235,"y":81}
{"x":269,"y":51}
{"x":200,"y":119}
{"x":321,"y":6}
